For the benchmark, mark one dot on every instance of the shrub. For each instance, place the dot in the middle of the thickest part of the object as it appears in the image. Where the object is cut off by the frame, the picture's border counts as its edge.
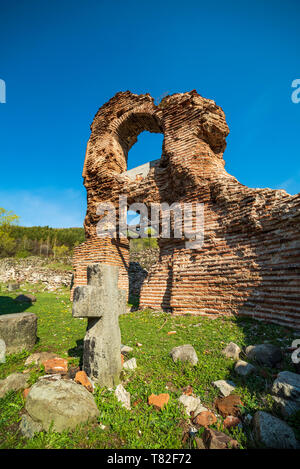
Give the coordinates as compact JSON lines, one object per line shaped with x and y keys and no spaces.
{"x":22,"y":254}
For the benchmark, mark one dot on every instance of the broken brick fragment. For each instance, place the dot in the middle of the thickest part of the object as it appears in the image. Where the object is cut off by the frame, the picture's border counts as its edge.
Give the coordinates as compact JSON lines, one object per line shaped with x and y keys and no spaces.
{"x":56,"y":365}
{"x":205,"y":419}
{"x":158,"y":401}
{"x":82,"y":378}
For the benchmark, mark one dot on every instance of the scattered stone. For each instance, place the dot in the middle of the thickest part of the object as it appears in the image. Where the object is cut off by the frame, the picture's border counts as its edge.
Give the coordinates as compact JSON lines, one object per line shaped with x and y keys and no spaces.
{"x":231,"y":421}
{"x":243,"y":368}
{"x":138,"y":344}
{"x":123,"y":396}
{"x":159,"y":401}
{"x":82,"y":378}
{"x":56,"y":365}
{"x":286,"y":390}
{"x":18,"y":330}
{"x":126,"y":349}
{"x":218,"y":440}
{"x":13,"y":382}
{"x":62,"y":402}
{"x":264,"y":354}
{"x":39,"y":357}
{"x":287,"y":385}
{"x":229,"y":405}
{"x":205,"y":419}
{"x":184,"y":353}
{"x":232,"y":350}
{"x":272,"y":432}
{"x":192,"y":405}
{"x":130,"y":364}
{"x":26,"y":298}
{"x":225,"y":387}
{"x":2,"y":351}
{"x":29,"y":427}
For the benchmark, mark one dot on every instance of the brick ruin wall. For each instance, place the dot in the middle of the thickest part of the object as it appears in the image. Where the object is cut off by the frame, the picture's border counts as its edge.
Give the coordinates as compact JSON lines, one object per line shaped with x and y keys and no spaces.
{"x":249,"y":263}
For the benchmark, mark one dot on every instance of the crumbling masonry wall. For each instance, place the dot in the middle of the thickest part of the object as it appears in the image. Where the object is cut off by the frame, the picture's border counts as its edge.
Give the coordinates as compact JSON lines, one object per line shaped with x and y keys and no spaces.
{"x":249,"y":263}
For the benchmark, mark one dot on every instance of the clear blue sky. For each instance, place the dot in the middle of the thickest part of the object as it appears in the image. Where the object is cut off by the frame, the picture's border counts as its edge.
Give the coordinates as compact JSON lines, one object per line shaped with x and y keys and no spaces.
{"x":62,"y":59}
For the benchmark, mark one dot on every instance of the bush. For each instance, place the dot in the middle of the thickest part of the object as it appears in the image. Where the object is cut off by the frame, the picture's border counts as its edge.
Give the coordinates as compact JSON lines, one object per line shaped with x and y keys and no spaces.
{"x":139,"y":244}
{"x":7,"y":242}
{"x":60,"y":251}
{"x":22,"y":254}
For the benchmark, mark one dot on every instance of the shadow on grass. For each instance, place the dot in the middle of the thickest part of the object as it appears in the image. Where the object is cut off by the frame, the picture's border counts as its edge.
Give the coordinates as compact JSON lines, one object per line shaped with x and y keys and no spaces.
{"x":77,"y":352}
{"x":9,"y":306}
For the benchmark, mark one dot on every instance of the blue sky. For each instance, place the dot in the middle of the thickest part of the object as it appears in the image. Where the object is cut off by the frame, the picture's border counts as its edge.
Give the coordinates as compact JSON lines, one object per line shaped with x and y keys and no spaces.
{"x":61,"y":60}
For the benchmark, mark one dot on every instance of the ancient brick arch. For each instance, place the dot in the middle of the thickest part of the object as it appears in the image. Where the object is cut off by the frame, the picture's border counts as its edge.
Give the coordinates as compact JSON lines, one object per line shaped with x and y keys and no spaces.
{"x":249,"y":263}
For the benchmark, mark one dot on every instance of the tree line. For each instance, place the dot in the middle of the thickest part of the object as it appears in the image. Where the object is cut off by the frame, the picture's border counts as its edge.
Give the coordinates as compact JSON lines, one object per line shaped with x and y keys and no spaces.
{"x":23,"y":241}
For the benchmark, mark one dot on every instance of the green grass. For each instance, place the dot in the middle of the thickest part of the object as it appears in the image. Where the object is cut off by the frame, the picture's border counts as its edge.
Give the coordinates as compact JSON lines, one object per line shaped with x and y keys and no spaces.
{"x":140,"y":244}
{"x":59,"y":266}
{"x":143,"y":426}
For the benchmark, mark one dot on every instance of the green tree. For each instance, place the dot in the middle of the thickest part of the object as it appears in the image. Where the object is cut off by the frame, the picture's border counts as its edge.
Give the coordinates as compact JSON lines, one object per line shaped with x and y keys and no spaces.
{"x":7,"y":242}
{"x":60,"y":251}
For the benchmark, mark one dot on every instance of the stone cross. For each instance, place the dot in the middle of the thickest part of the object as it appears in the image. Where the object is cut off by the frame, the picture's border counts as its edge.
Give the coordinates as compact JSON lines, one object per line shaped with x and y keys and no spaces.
{"x":101,"y":301}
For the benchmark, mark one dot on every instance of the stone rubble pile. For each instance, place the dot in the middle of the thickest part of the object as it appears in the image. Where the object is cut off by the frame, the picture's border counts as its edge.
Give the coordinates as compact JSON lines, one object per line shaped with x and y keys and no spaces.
{"x":33,"y":270}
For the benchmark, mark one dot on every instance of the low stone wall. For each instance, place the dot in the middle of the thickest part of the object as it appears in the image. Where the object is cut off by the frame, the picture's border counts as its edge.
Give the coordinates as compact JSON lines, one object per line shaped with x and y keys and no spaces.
{"x":136,"y":275}
{"x":146,"y":258}
{"x":139,"y":265}
{"x":33,"y":270}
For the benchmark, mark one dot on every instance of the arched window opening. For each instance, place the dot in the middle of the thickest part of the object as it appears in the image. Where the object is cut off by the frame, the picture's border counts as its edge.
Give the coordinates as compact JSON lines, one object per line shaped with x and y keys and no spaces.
{"x":147,"y":148}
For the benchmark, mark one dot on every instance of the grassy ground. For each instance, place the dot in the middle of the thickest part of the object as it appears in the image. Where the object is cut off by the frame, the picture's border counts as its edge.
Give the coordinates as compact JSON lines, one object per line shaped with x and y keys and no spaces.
{"x":143,"y":426}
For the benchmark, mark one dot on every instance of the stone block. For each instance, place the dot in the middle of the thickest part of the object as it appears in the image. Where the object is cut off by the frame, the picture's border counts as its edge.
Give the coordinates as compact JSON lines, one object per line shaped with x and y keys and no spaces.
{"x":18,"y":331}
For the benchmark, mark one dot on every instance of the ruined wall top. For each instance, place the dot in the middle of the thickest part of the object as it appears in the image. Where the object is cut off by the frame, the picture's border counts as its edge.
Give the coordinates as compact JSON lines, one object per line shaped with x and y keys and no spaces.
{"x":194,"y":130}
{"x":119,"y":121}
